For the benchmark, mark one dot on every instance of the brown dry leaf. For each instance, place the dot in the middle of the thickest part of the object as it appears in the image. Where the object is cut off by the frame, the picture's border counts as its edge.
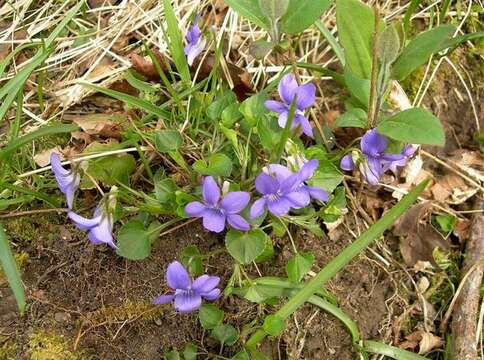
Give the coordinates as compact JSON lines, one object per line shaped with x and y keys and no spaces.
{"x":429,"y":342}
{"x":426,"y":341}
{"x":418,"y":241}
{"x":102,"y":70}
{"x":43,"y":158}
{"x":103,"y":125}
{"x":462,"y":229}
{"x":471,"y":162}
{"x":452,"y":189}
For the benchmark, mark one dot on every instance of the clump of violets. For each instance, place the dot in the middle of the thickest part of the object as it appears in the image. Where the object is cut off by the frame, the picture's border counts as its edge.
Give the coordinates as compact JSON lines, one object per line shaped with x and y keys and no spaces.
{"x":217,"y":210}
{"x":375,"y":161}
{"x":67,"y":180}
{"x":187,"y":294}
{"x":283,"y":189}
{"x":288,"y":90}
{"x":100,"y":227}
{"x":195,"y":42}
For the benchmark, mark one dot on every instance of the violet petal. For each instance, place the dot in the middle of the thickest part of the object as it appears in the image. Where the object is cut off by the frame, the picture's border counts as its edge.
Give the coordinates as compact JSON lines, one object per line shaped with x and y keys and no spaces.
{"x":177,"y":276}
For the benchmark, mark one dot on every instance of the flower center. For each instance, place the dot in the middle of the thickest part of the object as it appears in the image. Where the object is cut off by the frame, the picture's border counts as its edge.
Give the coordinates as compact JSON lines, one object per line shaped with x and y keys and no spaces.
{"x":274,"y":197}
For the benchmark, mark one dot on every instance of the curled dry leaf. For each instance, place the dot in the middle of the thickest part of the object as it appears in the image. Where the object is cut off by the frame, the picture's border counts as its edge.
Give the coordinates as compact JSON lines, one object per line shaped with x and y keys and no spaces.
{"x":43,"y":158}
{"x":425,"y":341}
{"x":418,"y":240}
{"x":452,"y":189}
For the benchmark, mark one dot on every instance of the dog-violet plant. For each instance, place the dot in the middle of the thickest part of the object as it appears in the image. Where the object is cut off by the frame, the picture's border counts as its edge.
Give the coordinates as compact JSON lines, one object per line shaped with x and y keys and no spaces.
{"x":195,"y":42}
{"x":288,"y":90}
{"x":188,"y":294}
{"x":216,"y":210}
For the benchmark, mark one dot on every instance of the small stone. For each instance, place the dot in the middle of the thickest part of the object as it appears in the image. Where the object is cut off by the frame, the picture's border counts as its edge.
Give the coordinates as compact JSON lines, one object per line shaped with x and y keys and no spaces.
{"x":158,"y":322}
{"x":62,"y":316}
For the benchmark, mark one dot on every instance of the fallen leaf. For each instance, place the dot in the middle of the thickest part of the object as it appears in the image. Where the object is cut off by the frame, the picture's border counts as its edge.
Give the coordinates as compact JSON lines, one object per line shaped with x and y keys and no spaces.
{"x":429,"y":342}
{"x":43,"y":158}
{"x":5,"y":47}
{"x":103,"y":125}
{"x":418,"y":240}
{"x":462,"y":229}
{"x":452,"y":189}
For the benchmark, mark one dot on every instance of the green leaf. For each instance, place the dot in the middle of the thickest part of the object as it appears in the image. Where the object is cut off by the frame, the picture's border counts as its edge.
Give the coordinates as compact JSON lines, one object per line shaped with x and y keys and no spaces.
{"x":261,"y":48}
{"x":164,"y":189}
{"x":274,"y":325}
{"x":355,"y":117}
{"x":216,"y":108}
{"x":446,"y":223}
{"x":326,"y":176}
{"x":173,"y":355}
{"x":253,"y":108}
{"x":391,"y":351}
{"x":299,"y":266}
{"x":190,"y":352}
{"x":269,"y":133}
{"x":11,"y":271}
{"x":273,"y":9}
{"x":358,"y":87}
{"x":419,"y":50}
{"x":337,"y":49}
{"x":167,"y":140}
{"x":389,"y":45}
{"x":414,"y":126}
{"x":225,"y":334}
{"x":301,"y":14}
{"x":43,"y":131}
{"x":230,"y":115}
{"x":355,"y":22}
{"x":210,"y":316}
{"x":191,"y":258}
{"x":241,"y":355}
{"x":250,"y":10}
{"x":176,"y":42}
{"x":134,"y":241}
{"x":218,"y":165}
{"x":112,"y":169}
{"x":245,"y":247}
{"x":268,"y":252}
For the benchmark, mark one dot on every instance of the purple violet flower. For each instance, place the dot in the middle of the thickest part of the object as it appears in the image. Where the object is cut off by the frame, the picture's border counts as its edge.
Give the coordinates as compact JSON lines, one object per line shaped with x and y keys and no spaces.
{"x":215,"y":210}
{"x":303,"y":193}
{"x":67,"y":180}
{"x":283,"y":189}
{"x":100,"y":227}
{"x":195,"y":42}
{"x":288,"y":89}
{"x":376,"y":161}
{"x":188,"y":295}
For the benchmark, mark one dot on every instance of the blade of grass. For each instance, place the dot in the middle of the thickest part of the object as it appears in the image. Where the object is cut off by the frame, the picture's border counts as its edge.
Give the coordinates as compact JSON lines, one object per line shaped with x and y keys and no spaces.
{"x":335,"y":265}
{"x":41,"y":196}
{"x":318,"y":68}
{"x":44,"y":131}
{"x":338,"y":50}
{"x":408,"y":14}
{"x":339,"y":314}
{"x":13,"y":54}
{"x":176,"y":42}
{"x":11,"y":271}
{"x":131,"y":100}
{"x":391,"y":351}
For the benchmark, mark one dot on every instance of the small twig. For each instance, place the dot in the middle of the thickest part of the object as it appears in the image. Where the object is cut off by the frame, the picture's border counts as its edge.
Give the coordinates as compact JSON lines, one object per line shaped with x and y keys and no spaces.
{"x":466,"y":312}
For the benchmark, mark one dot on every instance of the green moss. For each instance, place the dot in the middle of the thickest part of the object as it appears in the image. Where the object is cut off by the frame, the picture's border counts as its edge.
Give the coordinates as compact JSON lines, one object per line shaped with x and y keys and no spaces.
{"x":28,"y":229}
{"x":8,"y":349}
{"x":45,"y":345}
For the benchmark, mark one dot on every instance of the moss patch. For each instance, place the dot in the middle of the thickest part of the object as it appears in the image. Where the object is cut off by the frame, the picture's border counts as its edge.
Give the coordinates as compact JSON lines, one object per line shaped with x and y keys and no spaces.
{"x":49,"y":346}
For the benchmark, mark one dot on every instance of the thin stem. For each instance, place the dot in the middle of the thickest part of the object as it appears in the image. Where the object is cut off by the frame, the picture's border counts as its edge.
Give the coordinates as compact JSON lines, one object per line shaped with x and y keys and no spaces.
{"x":290,"y":236}
{"x":372,"y":106}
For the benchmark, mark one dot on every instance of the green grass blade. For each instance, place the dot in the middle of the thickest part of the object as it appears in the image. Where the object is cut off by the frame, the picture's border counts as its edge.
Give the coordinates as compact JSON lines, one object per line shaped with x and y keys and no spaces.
{"x":339,"y":314}
{"x":408,"y":14}
{"x":131,"y":100}
{"x":13,"y":54}
{"x":11,"y":271}
{"x":338,"y":50}
{"x":41,"y":196}
{"x":391,"y":351}
{"x":348,"y":254}
{"x":176,"y":42}
{"x":44,"y":131}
